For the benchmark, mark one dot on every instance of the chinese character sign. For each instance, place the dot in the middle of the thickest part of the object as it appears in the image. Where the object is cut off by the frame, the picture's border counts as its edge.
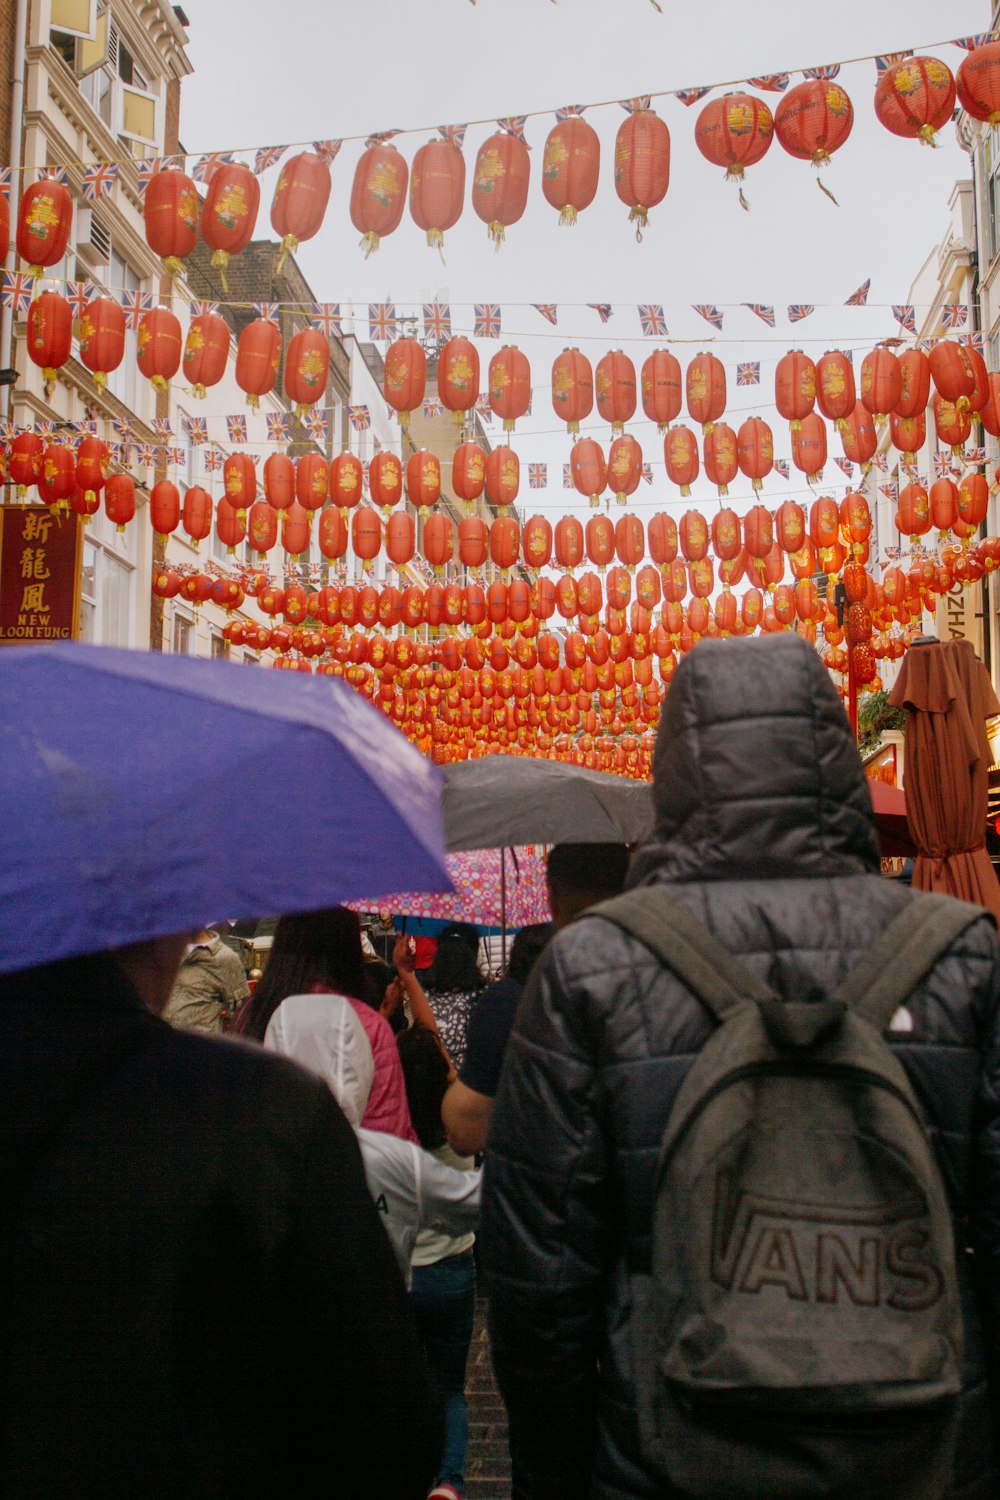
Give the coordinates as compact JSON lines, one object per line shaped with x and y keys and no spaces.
{"x":39,"y":575}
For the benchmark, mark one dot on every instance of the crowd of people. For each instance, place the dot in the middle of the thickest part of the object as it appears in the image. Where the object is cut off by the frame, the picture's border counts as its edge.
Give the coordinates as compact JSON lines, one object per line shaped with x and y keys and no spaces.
{"x":248,"y":1266}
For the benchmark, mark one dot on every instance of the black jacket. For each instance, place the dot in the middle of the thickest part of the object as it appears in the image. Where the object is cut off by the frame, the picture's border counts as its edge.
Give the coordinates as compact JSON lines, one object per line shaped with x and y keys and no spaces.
{"x":764,"y":831}
{"x":197,"y":1297}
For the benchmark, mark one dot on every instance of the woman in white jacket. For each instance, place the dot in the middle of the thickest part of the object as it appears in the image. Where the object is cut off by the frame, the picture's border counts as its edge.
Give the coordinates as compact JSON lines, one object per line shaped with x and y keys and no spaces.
{"x":411,"y":1188}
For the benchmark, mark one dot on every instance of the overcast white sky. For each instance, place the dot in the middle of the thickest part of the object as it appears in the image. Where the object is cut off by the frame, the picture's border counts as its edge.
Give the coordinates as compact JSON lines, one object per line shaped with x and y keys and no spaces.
{"x":301,"y":70}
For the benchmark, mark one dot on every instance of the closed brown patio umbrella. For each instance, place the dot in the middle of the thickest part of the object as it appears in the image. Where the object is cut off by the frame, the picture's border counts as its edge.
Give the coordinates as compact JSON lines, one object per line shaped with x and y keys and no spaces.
{"x":947,"y":694}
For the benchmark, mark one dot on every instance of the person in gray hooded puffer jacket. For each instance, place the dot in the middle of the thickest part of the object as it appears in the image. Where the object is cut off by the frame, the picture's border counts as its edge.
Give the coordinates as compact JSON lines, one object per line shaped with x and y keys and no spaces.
{"x":764,"y":832}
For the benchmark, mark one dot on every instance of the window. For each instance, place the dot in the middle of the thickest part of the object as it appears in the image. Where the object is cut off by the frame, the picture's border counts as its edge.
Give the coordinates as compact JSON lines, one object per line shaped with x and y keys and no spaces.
{"x":105,"y":597}
{"x":183,"y":636}
{"x":76,"y":18}
{"x":220,"y":647}
{"x":113,"y":84}
{"x":187,"y":477}
{"x":124,"y":382}
{"x":991,"y":165}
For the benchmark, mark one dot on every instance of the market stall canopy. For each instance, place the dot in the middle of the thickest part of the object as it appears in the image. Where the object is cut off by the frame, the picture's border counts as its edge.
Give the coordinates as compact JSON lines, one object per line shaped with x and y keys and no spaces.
{"x":889,"y":806}
{"x":947,"y":694}
{"x":510,"y":799}
{"x":143,"y":794}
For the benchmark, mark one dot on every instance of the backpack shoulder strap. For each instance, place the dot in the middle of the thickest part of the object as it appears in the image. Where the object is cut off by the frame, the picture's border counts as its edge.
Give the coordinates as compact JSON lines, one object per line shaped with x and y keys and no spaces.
{"x":904,"y":955}
{"x":686,"y":947}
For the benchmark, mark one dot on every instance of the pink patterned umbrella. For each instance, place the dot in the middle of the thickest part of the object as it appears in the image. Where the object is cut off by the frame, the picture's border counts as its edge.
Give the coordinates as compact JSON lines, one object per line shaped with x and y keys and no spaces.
{"x":477,"y":897}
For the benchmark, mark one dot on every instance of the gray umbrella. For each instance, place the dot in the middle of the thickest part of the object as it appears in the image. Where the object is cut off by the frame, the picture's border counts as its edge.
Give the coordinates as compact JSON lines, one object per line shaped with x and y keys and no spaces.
{"x":511,"y":799}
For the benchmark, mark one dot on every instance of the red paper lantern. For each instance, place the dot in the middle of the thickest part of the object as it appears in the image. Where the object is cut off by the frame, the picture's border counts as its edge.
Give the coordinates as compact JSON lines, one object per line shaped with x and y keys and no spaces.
{"x":755,"y":450}
{"x":378,"y":193}
{"x":26,"y":452}
{"x":720,"y":456}
{"x":571,"y":165}
{"x":307,"y":366}
{"x":196,"y":513}
{"x":915,"y":383}
{"x":734,"y":132}
{"x":500,"y":182}
{"x":347,"y":481}
{"x":642,"y":165}
{"x":299,"y":202}
{"x":438,"y":540}
{"x":279,"y":480}
{"x":170,"y":212}
{"x":944,"y":504}
{"x":569,"y":541}
{"x":102,"y":338}
{"x":855,"y":518}
{"x":693,"y":535}
{"x":952,"y":424}
{"x":706,"y":390}
{"x":814,"y":120}
{"x":952,"y":372}
{"x":973,"y":499}
{"x":119,"y":500}
{"x":166,"y":584}
{"x":661,"y":388}
{"x":437,"y":189}
{"x":758,"y":532}
{"x":600,"y":539}
{"x":661,"y":534}
{"x":913,"y":515}
{"x":159,"y":345}
{"x":858,"y":436}
{"x":423,"y":481}
{"x":400,"y":538}
{"x":509,"y":383}
{"x":164,"y":507}
{"x":262,"y":527}
{"x":881,"y":382}
{"x":809,"y":446}
{"x":196,"y":588}
{"x":835,"y":390}
{"x":615,"y":385}
{"x":458,"y":376}
{"x":44,"y":221}
{"x":258,"y":357}
{"x":979,"y":83}
{"x":915,"y":97}
{"x":790,"y":526}
{"x":505,"y":542}
{"x":473,"y":541}
{"x":229,"y":213}
{"x":206,"y":350}
{"x":726,"y":539}
{"x":50,"y":333}
{"x":332,"y":533}
{"x":624,"y":467}
{"x":230,"y":525}
{"x":572,"y":388}
{"x":589,"y":469}
{"x":680,"y":454}
{"x":385,"y":480}
{"x":366,"y":535}
{"x":908,"y":435}
{"x":503,"y":476}
{"x":405,"y":378}
{"x":295,"y":529}
{"x":312,"y":481}
{"x":630,"y":543}
{"x":824,"y":523}
{"x":468,"y":472}
{"x":795,"y":387}
{"x":239,"y":478}
{"x":91,"y":465}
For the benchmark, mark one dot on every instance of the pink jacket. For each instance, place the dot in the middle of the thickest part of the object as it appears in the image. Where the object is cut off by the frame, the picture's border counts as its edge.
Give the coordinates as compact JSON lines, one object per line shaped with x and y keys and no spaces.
{"x":387,"y":1109}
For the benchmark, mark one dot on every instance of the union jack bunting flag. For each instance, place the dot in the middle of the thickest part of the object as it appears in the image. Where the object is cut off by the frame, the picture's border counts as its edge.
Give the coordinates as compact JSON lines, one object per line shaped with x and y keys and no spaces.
{"x":175,"y":456}
{"x":213,"y":460}
{"x":891,"y":555}
{"x":437,"y":320}
{"x":691,"y":96}
{"x":514,"y":125}
{"x":567,"y":483}
{"x":136,"y":305}
{"x":538,"y":476}
{"x":977,"y":341}
{"x":860,"y":297}
{"x":266,"y":157}
{"x":602,"y":309}
{"x":905,"y":316}
{"x":484,"y":411}
{"x":775,"y":83}
{"x":955,"y":315}
{"x":943,"y":466}
{"x":327,"y":318}
{"x":5,"y":178}
{"x":763,"y":311}
{"x":970,"y":43}
{"x":800,"y":310}
{"x":328,"y":150}
{"x":205,"y":166}
{"x":359,"y":417}
{"x":236,"y":429}
{"x":199,"y":308}
{"x":888,"y":60}
{"x":830,"y":71}
{"x":99,"y":179}
{"x":380,"y":138}
{"x":315,"y":423}
{"x":651,"y":320}
{"x":453,"y":133}
{"x":45,"y":429}
{"x":748,"y":373}
{"x":382,"y":321}
{"x":890,"y":490}
{"x":267,"y":310}
{"x":781,"y":467}
{"x":570,"y":111}
{"x":637,"y":105}
{"x":196,"y":429}
{"x":55,"y":174}
{"x":974,"y":456}
{"x":145,"y":455}
{"x":17,"y":292}
{"x":710,"y":313}
{"x":162,"y":428}
{"x":78,"y":294}
{"x":881,"y":463}
{"x":487,"y":320}
{"x":277,"y":426}
{"x":910,"y":470}
{"x":548,"y":310}
{"x":146,"y":170}
{"x":123,"y":427}
{"x":845,"y":466}
{"x":647,"y":473}
{"x":432,"y":407}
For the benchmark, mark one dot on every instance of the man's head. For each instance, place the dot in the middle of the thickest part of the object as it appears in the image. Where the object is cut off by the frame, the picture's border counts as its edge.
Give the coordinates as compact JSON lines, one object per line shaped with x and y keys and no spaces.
{"x":581,"y":875}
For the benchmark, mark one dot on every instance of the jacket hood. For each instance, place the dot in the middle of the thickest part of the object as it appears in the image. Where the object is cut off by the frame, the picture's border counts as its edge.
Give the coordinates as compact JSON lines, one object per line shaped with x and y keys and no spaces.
{"x":756,"y":773}
{"x":323,"y":1034}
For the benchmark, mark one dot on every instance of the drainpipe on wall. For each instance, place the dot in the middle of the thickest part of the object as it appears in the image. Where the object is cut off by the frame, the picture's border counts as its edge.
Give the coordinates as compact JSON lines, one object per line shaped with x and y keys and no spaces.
{"x":16,"y":159}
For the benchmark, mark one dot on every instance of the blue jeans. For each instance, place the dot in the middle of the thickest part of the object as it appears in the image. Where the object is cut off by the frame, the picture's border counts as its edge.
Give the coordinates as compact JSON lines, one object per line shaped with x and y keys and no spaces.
{"x":444,"y":1300}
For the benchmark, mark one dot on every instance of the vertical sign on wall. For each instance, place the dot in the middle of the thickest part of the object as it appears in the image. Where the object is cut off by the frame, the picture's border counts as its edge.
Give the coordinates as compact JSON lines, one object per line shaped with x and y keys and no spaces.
{"x":39,"y":575}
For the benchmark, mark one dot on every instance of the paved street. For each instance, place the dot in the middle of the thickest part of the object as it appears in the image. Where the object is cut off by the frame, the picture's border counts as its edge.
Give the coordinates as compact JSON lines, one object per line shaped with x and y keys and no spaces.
{"x":487,"y":1474}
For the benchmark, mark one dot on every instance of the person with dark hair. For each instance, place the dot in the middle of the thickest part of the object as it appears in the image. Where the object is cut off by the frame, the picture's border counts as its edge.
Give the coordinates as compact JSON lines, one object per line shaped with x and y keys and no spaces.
{"x":449,"y":984}
{"x":320,"y":952}
{"x":467,"y":1107}
{"x":444,"y":1268}
{"x":581,"y":875}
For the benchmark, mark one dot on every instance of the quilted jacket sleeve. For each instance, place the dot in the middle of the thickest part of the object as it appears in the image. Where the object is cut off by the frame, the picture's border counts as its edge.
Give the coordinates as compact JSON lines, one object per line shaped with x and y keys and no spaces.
{"x":985,"y":1196}
{"x":544,"y":1233}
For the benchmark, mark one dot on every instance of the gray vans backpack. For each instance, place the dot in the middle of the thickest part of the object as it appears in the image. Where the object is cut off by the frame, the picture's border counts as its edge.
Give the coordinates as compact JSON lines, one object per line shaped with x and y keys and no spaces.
{"x":800,"y":1334}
